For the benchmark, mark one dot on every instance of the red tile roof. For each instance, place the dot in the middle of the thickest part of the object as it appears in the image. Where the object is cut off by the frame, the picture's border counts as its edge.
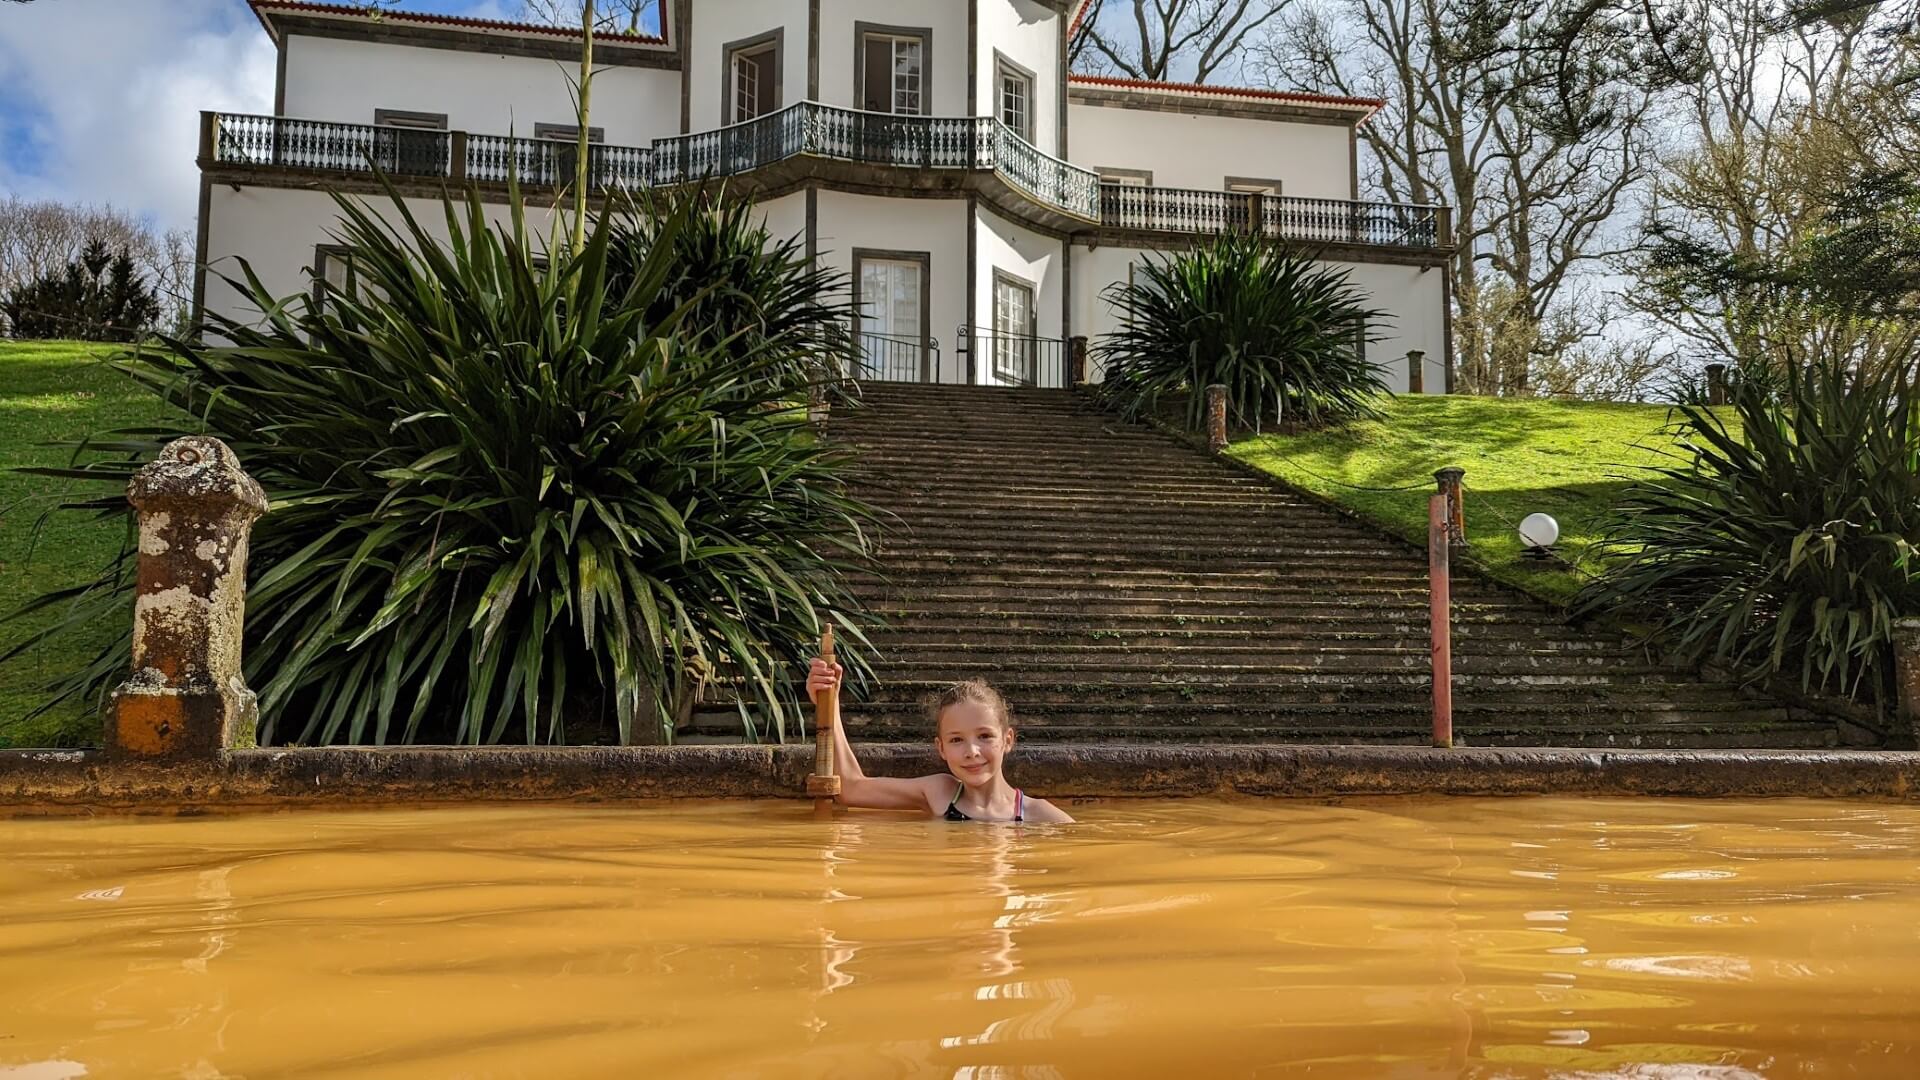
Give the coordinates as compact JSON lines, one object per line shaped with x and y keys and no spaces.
{"x":1110,"y":82}
{"x":455,"y":21}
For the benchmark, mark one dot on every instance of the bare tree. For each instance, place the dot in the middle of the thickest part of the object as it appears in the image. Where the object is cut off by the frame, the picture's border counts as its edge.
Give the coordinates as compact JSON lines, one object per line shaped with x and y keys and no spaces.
{"x":1158,"y":39}
{"x":612,"y":16}
{"x":39,"y":238}
{"x":1531,"y":120}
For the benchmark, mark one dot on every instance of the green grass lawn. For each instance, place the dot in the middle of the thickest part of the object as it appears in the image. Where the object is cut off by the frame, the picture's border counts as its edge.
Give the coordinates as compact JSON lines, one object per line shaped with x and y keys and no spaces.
{"x":52,"y":391}
{"x":1567,"y":459}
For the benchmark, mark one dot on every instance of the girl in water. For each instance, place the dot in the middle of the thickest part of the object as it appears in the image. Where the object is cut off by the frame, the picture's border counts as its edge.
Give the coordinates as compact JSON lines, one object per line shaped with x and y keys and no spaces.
{"x":974,"y":735}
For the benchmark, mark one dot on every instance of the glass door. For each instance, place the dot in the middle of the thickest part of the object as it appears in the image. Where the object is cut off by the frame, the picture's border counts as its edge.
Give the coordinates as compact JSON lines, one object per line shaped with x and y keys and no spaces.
{"x":892,"y":328}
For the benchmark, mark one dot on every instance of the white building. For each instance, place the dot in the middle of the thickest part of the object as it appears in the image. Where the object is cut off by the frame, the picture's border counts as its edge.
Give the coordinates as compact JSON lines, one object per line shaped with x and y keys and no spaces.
{"x":978,"y":196}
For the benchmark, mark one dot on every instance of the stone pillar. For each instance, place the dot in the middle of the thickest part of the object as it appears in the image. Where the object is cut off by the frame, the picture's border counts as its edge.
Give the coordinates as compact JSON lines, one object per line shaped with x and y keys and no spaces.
{"x":1076,"y":360}
{"x":1716,"y":384}
{"x":1906,"y":674}
{"x":1450,"y":480}
{"x":1216,"y":418}
{"x":186,"y":699}
{"x":1416,"y":371}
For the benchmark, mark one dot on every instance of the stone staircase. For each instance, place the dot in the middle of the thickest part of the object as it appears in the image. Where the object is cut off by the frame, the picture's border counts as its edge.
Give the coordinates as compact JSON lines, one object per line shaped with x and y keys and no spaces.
{"x":1119,"y":586}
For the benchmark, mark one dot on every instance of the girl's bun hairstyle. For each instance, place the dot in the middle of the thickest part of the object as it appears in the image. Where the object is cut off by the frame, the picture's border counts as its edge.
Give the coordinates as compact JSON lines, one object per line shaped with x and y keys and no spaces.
{"x":972,"y":692}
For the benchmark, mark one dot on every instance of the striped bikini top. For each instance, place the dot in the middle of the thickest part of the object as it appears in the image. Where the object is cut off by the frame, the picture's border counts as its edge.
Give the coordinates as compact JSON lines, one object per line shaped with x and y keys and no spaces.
{"x":953,"y":805}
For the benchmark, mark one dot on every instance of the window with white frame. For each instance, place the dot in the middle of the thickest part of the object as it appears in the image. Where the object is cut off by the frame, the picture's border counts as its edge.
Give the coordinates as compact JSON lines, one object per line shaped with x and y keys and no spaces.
{"x":1016,"y":96}
{"x":892,"y":70}
{"x":1014,"y":325}
{"x":753,"y":78}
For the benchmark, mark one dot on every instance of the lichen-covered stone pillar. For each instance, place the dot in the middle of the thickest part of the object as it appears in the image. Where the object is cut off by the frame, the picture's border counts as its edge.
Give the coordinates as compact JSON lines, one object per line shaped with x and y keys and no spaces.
{"x":1716,"y":384}
{"x":1076,"y":360}
{"x":1416,"y":371}
{"x":1906,"y":672}
{"x":1216,"y":418}
{"x":186,"y":699}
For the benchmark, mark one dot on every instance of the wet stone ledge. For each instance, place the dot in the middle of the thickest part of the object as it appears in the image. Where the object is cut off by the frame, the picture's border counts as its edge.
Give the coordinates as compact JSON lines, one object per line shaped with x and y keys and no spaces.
{"x":80,"y":782}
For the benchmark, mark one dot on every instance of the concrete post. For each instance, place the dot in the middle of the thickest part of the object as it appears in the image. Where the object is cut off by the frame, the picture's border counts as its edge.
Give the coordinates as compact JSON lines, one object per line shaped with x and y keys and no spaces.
{"x":1416,"y":371}
{"x":1450,"y":480}
{"x":456,"y":155}
{"x":1906,"y":674}
{"x":1716,"y":384}
{"x":195,"y":507}
{"x":1216,"y":418}
{"x":1076,"y":360}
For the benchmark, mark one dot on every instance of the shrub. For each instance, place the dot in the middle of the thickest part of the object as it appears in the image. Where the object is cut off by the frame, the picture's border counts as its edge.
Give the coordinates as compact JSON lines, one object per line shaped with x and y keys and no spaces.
{"x":509,"y":502}
{"x":1790,"y":548}
{"x":1256,"y":316}
{"x":99,"y":297}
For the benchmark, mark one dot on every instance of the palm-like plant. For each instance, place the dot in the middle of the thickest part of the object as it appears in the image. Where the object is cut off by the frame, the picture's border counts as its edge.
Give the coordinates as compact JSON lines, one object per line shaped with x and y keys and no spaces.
{"x":1786,"y":543}
{"x":515,"y":498}
{"x":1253,"y":315}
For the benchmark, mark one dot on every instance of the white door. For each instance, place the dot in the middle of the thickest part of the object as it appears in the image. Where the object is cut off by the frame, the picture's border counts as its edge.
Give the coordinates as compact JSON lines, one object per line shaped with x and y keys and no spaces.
{"x":892,"y":329}
{"x":1013,"y":332}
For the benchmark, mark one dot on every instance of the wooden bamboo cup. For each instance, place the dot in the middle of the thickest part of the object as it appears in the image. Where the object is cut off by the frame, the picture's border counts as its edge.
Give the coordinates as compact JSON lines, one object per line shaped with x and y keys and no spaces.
{"x":823,"y":784}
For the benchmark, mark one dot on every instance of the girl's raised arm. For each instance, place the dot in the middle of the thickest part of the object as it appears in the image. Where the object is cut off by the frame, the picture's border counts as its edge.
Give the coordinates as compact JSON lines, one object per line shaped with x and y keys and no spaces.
{"x":856,"y":787}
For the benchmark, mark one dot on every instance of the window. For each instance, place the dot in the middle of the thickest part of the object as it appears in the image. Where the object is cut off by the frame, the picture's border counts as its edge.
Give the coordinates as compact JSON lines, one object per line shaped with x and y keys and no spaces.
{"x":1126,"y":177}
{"x":890,"y":314}
{"x":1248,"y":186}
{"x":753,"y":78}
{"x":332,"y":269}
{"x":558,"y":164}
{"x":891,"y":73}
{"x":1013,"y":329}
{"x":411,"y":143}
{"x":1015,"y":96}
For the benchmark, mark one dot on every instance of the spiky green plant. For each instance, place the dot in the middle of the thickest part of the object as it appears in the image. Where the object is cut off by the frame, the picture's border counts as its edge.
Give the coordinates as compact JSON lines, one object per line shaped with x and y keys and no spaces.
{"x":510,"y":503}
{"x":1785,"y":544}
{"x":743,"y":288}
{"x":1249,"y":313}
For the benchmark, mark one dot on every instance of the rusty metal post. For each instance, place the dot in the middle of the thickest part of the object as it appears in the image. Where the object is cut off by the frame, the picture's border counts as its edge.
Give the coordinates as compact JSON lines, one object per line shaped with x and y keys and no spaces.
{"x":1450,"y":480}
{"x":1416,"y":371}
{"x":1076,"y":360}
{"x":1216,"y":418}
{"x":195,"y":508}
{"x":1440,"y":591}
{"x":1906,"y":673}
{"x":1716,"y":384}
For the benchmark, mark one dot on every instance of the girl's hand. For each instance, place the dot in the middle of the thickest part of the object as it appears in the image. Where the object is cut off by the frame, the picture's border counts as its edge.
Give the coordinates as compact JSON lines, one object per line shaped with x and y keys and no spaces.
{"x":822,"y":677}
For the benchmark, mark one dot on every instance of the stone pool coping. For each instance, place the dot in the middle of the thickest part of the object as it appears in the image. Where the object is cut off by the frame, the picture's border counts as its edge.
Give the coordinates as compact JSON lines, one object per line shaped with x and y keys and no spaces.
{"x":87,"y":781}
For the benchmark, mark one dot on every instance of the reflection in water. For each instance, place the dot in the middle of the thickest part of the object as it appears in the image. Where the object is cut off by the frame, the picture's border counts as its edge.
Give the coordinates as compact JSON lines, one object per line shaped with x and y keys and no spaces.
{"x":1402,"y":938}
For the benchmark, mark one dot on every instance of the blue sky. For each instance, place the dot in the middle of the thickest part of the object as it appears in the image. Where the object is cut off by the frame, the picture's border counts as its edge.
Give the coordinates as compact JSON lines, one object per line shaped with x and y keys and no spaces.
{"x":100,"y":99}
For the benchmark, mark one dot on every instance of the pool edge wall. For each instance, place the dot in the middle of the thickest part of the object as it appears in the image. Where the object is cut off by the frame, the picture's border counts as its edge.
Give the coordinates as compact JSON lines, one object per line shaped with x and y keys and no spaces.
{"x":86,"y":781}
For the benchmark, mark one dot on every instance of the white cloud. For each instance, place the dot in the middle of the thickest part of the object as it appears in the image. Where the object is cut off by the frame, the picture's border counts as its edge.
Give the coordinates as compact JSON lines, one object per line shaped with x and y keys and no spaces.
{"x":112,"y":92}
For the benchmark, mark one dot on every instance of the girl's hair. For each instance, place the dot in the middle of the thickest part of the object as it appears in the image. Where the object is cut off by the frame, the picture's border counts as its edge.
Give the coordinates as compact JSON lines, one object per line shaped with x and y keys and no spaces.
{"x":972,"y":692}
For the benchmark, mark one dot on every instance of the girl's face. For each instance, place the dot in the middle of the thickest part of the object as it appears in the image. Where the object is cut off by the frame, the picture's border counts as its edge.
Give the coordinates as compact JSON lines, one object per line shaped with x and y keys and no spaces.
{"x":972,"y":742}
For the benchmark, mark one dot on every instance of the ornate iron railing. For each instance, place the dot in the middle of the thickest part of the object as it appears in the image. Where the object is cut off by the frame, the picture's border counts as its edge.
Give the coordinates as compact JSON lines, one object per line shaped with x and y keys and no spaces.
{"x":807,"y":128}
{"x":1016,"y":359}
{"x":824,"y":131}
{"x":1338,"y":221}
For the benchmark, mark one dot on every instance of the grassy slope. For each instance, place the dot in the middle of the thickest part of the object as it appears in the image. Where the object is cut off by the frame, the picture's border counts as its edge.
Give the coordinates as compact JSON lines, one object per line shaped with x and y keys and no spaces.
{"x":1567,"y":459}
{"x":51,"y":391}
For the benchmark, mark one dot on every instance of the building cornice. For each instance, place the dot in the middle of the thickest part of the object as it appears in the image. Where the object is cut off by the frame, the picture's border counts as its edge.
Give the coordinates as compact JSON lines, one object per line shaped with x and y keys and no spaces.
{"x":286,"y":18}
{"x":1243,"y":103}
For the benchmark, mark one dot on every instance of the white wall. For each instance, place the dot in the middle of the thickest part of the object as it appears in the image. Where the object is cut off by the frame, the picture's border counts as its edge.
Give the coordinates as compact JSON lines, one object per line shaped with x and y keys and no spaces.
{"x":1192,"y":151}
{"x":1028,"y":33}
{"x":947,"y":19}
{"x":345,"y":81}
{"x":1414,"y":300}
{"x":935,"y":226}
{"x":785,"y":217}
{"x":716,"y":23}
{"x":276,"y":230}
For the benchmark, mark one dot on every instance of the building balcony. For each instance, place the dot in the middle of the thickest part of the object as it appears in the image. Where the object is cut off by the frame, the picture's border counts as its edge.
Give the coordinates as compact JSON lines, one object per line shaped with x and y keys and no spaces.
{"x":874,"y":152}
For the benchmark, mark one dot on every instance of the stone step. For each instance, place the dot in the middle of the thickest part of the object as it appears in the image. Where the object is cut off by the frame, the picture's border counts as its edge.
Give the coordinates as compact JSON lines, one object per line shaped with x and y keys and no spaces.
{"x":1308,"y":635}
{"x":1276,"y":602}
{"x":1069,"y":547}
{"x":1411,"y":655}
{"x":1124,"y":534}
{"x":1263,"y":690}
{"x":1272,"y":721}
{"x":938,"y":576}
{"x":1040,"y":500}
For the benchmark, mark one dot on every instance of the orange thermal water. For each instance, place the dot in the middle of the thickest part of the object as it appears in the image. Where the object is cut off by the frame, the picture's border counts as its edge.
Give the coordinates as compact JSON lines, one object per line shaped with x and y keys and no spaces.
{"x":1402,"y":938}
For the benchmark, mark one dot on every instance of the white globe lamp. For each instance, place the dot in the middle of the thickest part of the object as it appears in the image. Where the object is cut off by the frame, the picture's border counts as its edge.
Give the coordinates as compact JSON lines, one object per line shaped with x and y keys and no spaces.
{"x":1538,"y":532}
